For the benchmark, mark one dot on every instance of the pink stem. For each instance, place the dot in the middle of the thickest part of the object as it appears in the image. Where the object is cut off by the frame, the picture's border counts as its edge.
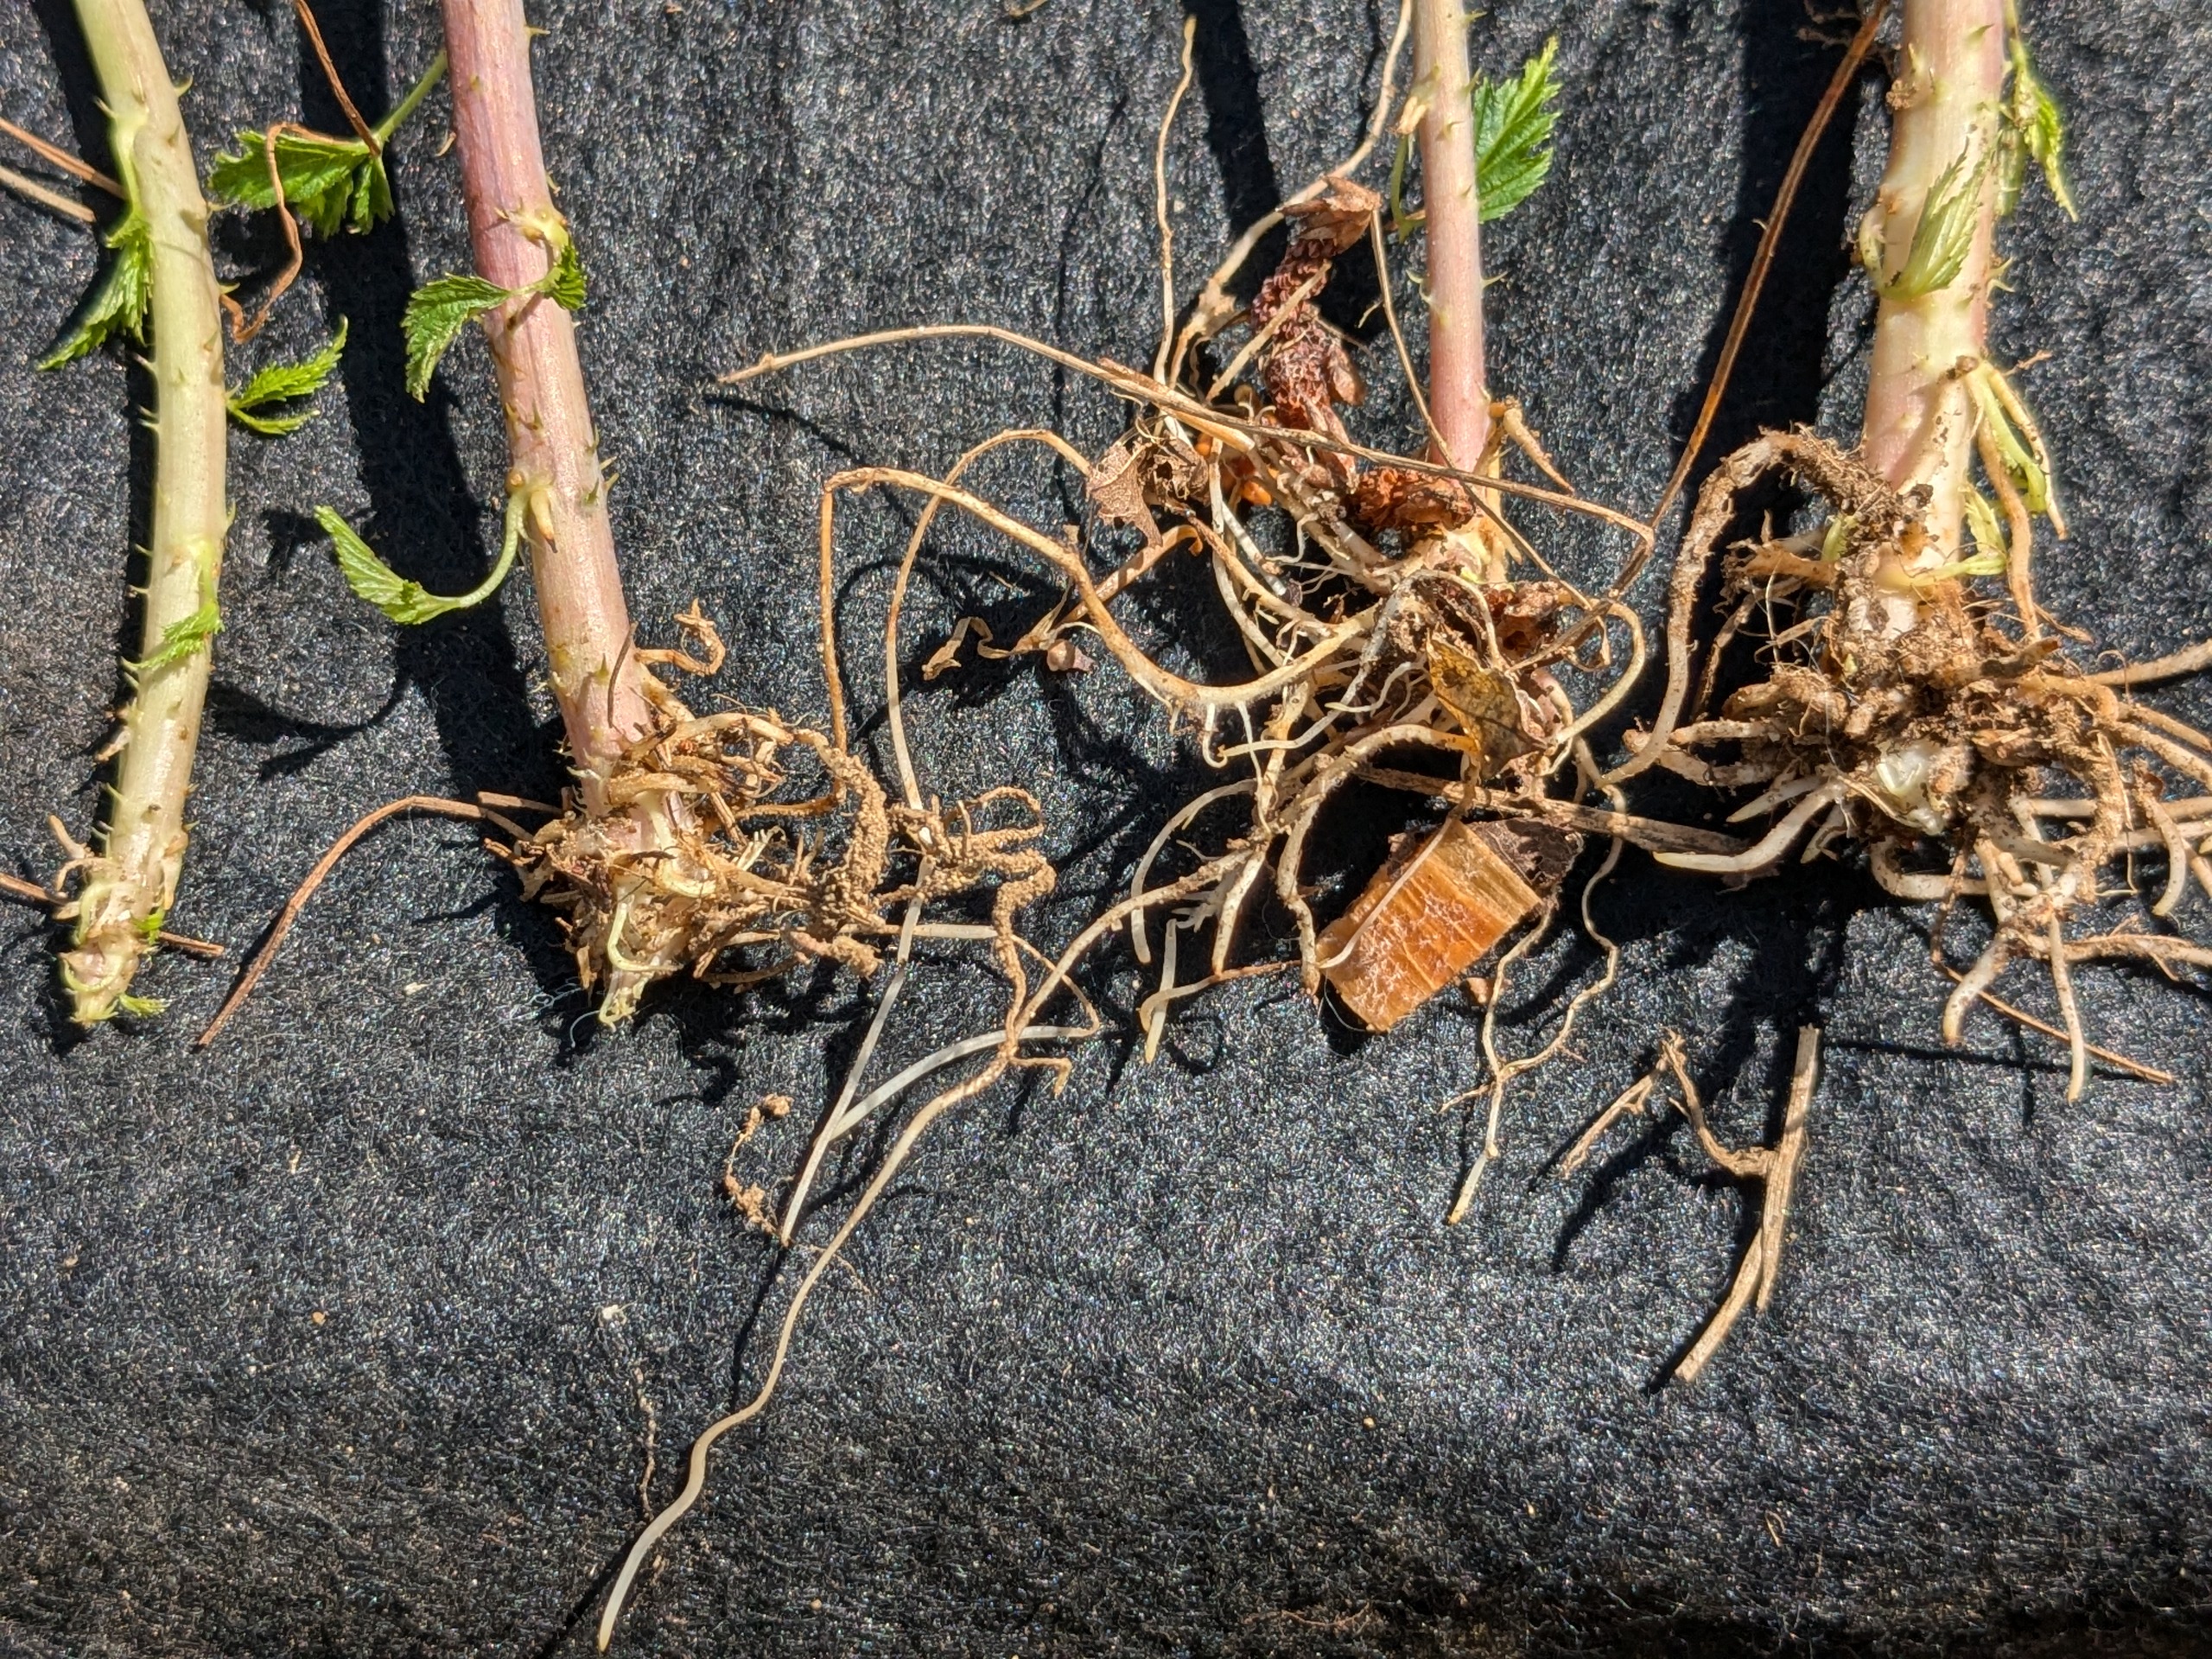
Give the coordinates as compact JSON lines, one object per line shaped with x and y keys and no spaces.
{"x":550,"y":439}
{"x":1458,"y":398}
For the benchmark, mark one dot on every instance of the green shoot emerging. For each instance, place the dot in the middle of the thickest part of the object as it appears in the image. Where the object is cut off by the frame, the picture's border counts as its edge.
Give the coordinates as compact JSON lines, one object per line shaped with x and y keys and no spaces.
{"x":185,"y":636}
{"x":2032,"y":131}
{"x":330,"y":182}
{"x":284,"y":382}
{"x":118,"y":304}
{"x":1945,"y":234}
{"x":409,"y":603}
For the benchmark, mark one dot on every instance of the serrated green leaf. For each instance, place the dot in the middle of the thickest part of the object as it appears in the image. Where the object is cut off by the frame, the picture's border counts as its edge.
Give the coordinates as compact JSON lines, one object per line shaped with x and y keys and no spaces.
{"x":182,"y":639}
{"x":328,"y":182}
{"x":1944,"y":236}
{"x":563,"y":284}
{"x":409,"y":603}
{"x":436,"y":313}
{"x":1513,"y":131}
{"x":281,"y":383}
{"x":151,"y":924}
{"x":118,"y":304}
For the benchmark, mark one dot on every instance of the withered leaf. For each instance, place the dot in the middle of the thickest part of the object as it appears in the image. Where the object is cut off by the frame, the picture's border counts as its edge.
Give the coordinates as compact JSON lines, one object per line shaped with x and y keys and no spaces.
{"x":1116,"y":489}
{"x":1486,"y":705}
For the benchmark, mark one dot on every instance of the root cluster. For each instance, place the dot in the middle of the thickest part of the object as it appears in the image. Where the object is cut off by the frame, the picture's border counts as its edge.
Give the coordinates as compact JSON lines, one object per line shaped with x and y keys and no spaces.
{"x":1966,"y":732}
{"x":698,"y":858}
{"x":1389,"y":608}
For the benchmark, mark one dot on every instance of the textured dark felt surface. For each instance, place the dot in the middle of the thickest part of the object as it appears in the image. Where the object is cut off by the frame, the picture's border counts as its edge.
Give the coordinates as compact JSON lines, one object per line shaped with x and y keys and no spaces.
{"x":332,"y":1339}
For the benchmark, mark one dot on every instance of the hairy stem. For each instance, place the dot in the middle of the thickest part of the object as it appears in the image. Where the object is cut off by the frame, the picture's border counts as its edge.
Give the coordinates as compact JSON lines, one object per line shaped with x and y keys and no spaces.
{"x":1457,"y":396}
{"x":517,"y":231}
{"x":124,"y":891}
{"x":1920,"y":410}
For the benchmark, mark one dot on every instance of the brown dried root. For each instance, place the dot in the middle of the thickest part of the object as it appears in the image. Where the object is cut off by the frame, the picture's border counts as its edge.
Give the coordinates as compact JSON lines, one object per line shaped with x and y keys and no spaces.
{"x":1776,"y":1171}
{"x":1774,"y":1168}
{"x":1947,"y":733}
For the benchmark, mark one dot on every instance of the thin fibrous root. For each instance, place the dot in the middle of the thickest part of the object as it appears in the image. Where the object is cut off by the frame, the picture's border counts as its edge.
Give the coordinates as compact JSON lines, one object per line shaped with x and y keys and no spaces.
{"x":478,"y":810}
{"x":1004,"y":1047}
{"x":2118,"y":1061}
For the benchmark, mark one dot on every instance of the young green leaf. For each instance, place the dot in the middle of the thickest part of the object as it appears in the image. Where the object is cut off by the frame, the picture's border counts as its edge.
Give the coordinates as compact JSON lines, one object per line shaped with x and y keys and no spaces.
{"x":1944,"y":236}
{"x":2022,"y":461}
{"x":1513,"y":133}
{"x":564,"y":282}
{"x":409,"y":603}
{"x":143,"y":1007}
{"x":282,"y":382}
{"x":118,"y":304}
{"x":436,"y":313}
{"x":328,"y":182}
{"x":2032,"y":130}
{"x":182,"y":639}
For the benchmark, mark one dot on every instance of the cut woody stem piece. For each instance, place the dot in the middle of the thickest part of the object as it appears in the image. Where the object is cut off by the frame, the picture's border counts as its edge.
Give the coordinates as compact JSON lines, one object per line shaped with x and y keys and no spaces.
{"x":124,"y":889}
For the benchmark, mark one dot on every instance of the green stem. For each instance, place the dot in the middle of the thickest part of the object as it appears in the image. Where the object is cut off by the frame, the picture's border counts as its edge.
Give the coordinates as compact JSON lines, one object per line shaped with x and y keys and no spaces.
{"x":416,"y":94}
{"x":124,"y":890}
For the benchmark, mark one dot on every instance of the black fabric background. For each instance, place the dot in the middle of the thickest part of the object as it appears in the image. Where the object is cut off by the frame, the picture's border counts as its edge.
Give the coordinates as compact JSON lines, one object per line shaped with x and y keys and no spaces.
{"x":1184,"y":1361}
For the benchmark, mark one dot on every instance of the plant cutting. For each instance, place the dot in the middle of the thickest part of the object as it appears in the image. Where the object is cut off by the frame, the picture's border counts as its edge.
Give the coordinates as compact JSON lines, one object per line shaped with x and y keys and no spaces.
{"x":1916,"y":699}
{"x":159,"y":276}
{"x":733,"y":846}
{"x":1910,"y":711}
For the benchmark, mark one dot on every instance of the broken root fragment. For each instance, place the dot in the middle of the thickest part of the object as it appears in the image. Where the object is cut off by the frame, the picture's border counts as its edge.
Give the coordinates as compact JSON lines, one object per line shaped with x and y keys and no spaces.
{"x":1774,"y":1168}
{"x":1435,"y":908}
